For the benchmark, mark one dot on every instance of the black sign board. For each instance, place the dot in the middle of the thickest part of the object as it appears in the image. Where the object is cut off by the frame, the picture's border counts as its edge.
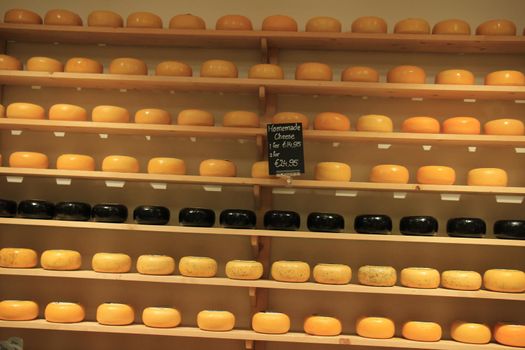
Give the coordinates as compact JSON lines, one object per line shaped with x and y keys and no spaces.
{"x":285,"y":149}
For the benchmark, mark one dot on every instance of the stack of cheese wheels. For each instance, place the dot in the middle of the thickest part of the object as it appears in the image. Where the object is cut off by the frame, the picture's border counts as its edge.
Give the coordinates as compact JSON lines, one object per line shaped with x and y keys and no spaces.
{"x":115,"y":314}
{"x":155,"y":265}
{"x":161,"y":317}
{"x":197,"y":266}
{"x":451,"y":26}
{"x":28,"y":160}
{"x":420,"y":277}
{"x":471,"y":333}
{"x":461,"y":280}
{"x":24,"y":110}
{"x":377,"y":276}
{"x":128,"y":66}
{"x":152,"y":116}
{"x":105,"y":19}
{"x":375,"y":327}
{"x":462,"y":125}
{"x":83,"y":65}
{"x":10,"y":63}
{"x":290,"y":271}
{"x":217,"y":167}
{"x":22,"y":16}
{"x":291,"y":117}
{"x":44,"y":64}
{"x":422,"y":331}
{"x":75,"y":162}
{"x":279,"y":23}
{"x":406,"y":75}
{"x":271,"y":323}
{"x":322,"y":326}
{"x":195,"y":117}
{"x":369,"y":24}
{"x":265,"y":71}
{"x":173,"y":69}
{"x":331,"y":121}
{"x":111,"y":262}
{"x":241,"y":119}
{"x":436,"y":175}
{"x":186,"y":21}
{"x":63,"y":111}
{"x":165,"y":165}
{"x":214,"y":320}
{"x":64,"y":312}
{"x":455,"y":77}
{"x":389,"y":173}
{"x":61,"y":259}
{"x":506,"y":126}
{"x":412,"y":26}
{"x":505,"y":77}
{"x":332,"y":273}
{"x":110,"y":114}
{"x":332,"y":171}
{"x":261,"y":170}
{"x":510,"y":334}
{"x":487,"y":177}
{"x":323,"y":24}
{"x":18,"y":310}
{"x":219,"y":69}
{"x":143,"y":20}
{"x":120,"y":164}
{"x":60,"y":17}
{"x":244,"y":269}
{"x":375,"y":122}
{"x":313,"y":71}
{"x":496,"y":27}
{"x":234,"y":22}
{"x":504,"y":280}
{"x":360,"y":74}
{"x":18,"y":258}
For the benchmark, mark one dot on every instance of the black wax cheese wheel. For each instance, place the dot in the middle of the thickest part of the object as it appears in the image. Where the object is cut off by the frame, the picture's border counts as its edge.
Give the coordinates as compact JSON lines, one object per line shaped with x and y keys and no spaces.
{"x":36,"y":209}
{"x":510,"y":229}
{"x":108,"y":212}
{"x":282,"y":220}
{"x":418,"y":225}
{"x":375,"y":224}
{"x":74,"y":211}
{"x":325,"y":222}
{"x":466,"y":227}
{"x":7,"y":208}
{"x":237,"y":218}
{"x":151,"y":215}
{"x":198,"y":217}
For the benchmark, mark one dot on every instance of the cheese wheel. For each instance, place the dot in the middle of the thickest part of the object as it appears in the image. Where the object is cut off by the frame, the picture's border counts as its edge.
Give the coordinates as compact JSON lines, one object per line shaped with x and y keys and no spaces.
{"x":163,"y":165}
{"x":412,"y":26}
{"x":161,"y":317}
{"x":110,"y":114}
{"x":369,"y":24}
{"x":461,"y":125}
{"x":505,"y":77}
{"x":114,"y":314}
{"x":332,"y":273}
{"x":173,"y":69}
{"x":271,"y":323}
{"x":186,"y":21}
{"x":322,"y":326}
{"x":461,"y":280}
{"x":436,"y":175}
{"x":2,"y":115}
{"x":265,"y":71}
{"x":241,"y":119}
{"x":451,"y":26}
{"x":219,"y":69}
{"x":244,"y":269}
{"x":22,"y":16}
{"x":83,"y":65}
{"x":105,"y":19}
{"x":233,"y":22}
{"x":290,"y":271}
{"x":61,"y":17}
{"x":196,"y":117}
{"x":471,"y":333}
{"x":375,"y":327}
{"x":18,"y":258}
{"x":75,"y":162}
{"x":420,"y":277}
{"x":291,"y":117}
{"x":487,"y":177}
{"x":504,"y":126}
{"x":455,"y":77}
{"x":213,"y":320}
{"x":510,"y":334}
{"x":496,"y":27}
{"x":63,"y":111}
{"x":331,"y":121}
{"x":332,"y":171}
{"x":360,"y":74}
{"x":377,"y":276}
{"x":120,"y":164}
{"x":152,"y":116}
{"x":422,"y":331}
{"x":421,"y":124}
{"x":10,"y":63}
{"x":196,"y":266}
{"x":389,"y":173}
{"x":111,"y":262}
{"x":60,"y":259}
{"x":406,"y":75}
{"x":155,"y":265}
{"x":279,"y":23}
{"x":504,"y":280}
{"x":44,"y":64}
{"x":261,"y":170}
{"x":28,"y":160}
{"x":128,"y":66}
{"x":217,"y":167}
{"x":143,"y":20}
{"x":375,"y":122}
{"x":23,"y":110}
{"x":18,"y":310}
{"x":61,"y":312}
{"x":313,"y":71}
{"x":323,"y":24}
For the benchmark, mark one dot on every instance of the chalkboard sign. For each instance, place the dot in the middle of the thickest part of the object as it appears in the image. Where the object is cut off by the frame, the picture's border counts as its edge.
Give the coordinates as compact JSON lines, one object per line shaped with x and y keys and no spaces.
{"x":285,"y":149}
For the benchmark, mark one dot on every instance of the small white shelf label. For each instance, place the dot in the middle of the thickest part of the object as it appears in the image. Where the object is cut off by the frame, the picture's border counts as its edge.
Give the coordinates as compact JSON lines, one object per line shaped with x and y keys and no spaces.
{"x":384,"y":146}
{"x":159,"y":185}
{"x":451,"y":197}
{"x":509,"y":199}
{"x":283,"y":191}
{"x":59,"y":133}
{"x":400,"y":195}
{"x":15,"y":179}
{"x":63,"y":181}
{"x":115,"y":184}
{"x":345,"y":193}
{"x":212,"y":188}
{"x":16,"y":132}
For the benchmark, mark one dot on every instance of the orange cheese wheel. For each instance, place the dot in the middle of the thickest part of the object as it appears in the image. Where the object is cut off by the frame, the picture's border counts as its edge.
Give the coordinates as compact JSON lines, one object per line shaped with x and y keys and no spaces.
{"x":332,"y":171}
{"x":436,"y":175}
{"x":412,"y":26}
{"x":261,"y":170}
{"x":61,"y":312}
{"x":234,"y":22}
{"x":28,"y":160}
{"x":164,"y":165}
{"x":111,"y":262}
{"x":422,"y":331}
{"x":369,"y":24}
{"x":60,"y":17}
{"x":217,"y":167}
{"x":241,"y":119}
{"x":2,"y":111}
{"x":505,"y":126}
{"x":161,"y":317}
{"x":510,"y":334}
{"x":244,"y":269}
{"x":389,"y":173}
{"x":496,"y":27}
{"x":461,"y":280}
{"x":451,"y":26}
{"x":18,"y":310}
{"x":290,"y":271}
{"x":10,"y":63}
{"x":323,"y":24}
{"x":152,"y":116}
{"x":197,"y":266}
{"x":110,"y":114}
{"x":505,"y":77}
{"x":291,"y":117}
{"x":143,"y":20}
{"x":271,"y":323}
{"x":487,"y":177}
{"x":173,"y":69}
{"x":61,"y":259}
{"x":105,"y":19}
{"x":331,"y":121}
{"x":114,"y":314}
{"x":406,"y":75}
{"x":462,"y":125}
{"x":332,"y":273}
{"x":155,"y":265}
{"x":83,"y":65}
{"x":196,"y":117}
{"x":120,"y":164}
{"x":360,"y":74}
{"x":23,"y":110}
{"x":375,"y":122}
{"x":313,"y":71}
{"x":471,"y":333}
{"x":213,"y":320}
{"x":421,"y":124}
{"x":504,"y":280}
{"x":420,"y":277}
{"x":265,"y":71}
{"x":75,"y":162}
{"x":44,"y":64}
{"x":322,"y":326}
{"x":219,"y":69}
{"x":128,"y":66}
{"x":19,"y":258}
{"x":63,"y":111}
{"x":375,"y":327}
{"x":186,"y":21}
{"x":455,"y":76}
{"x":22,"y":16}
{"x":279,"y":23}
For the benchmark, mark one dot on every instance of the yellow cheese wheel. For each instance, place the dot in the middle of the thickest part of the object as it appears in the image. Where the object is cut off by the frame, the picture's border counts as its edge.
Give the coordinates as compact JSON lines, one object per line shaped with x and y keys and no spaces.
{"x":504,"y":126}
{"x":406,"y":75}
{"x":18,"y":310}
{"x":471,"y":333}
{"x":421,"y":124}
{"x":323,"y":24}
{"x":152,"y":116}
{"x":377,"y":276}
{"x":510,"y":334}
{"x":22,"y":16}
{"x":375,"y":122}
{"x":375,"y":327}
{"x":496,"y":27}
{"x":143,"y":20}
{"x":241,"y":119}
{"x":173,"y":69}
{"x":63,"y":111}
{"x":61,"y":17}
{"x":61,"y":259}
{"x":322,"y":326}
{"x":161,"y":317}
{"x":219,"y":69}
{"x":186,"y":21}
{"x":505,"y":77}
{"x":455,"y":77}
{"x":331,"y":121}
{"x":271,"y":323}
{"x":244,"y":269}
{"x":360,"y":74}
{"x":75,"y":162}
{"x":461,"y":280}
{"x":234,"y":22}
{"x":504,"y":280}
{"x":23,"y":110}
{"x":487,"y":177}
{"x":44,"y":64}
{"x":196,"y":117}
{"x":83,"y":65}
{"x":412,"y":26}
{"x":451,"y":26}
{"x":18,"y":258}
{"x":28,"y":160}
{"x":436,"y":175}
{"x":420,"y":277}
{"x":115,"y":314}
{"x":279,"y":23}
{"x":10,"y":63}
{"x":313,"y":71}
{"x":332,"y":171}
{"x":290,"y":271}
{"x":111,"y":262}
{"x":63,"y":312}
{"x":265,"y":71}
{"x":105,"y":19}
{"x":120,"y":164}
{"x":128,"y":66}
{"x":261,"y":170}
{"x":217,"y":167}
{"x":422,"y":331}
{"x":155,"y":265}
{"x":332,"y":273}
{"x":389,"y":173}
{"x":110,"y":114}
{"x":369,"y":24}
{"x":2,"y":111}
{"x":196,"y":266}
{"x":163,"y":165}
{"x":462,"y":125}
{"x":213,"y":320}
{"x":291,"y":117}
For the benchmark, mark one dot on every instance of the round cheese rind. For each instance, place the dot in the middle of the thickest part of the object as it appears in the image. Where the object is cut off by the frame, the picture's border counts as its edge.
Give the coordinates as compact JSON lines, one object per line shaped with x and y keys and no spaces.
{"x":313,"y":71}
{"x":105,"y":19}
{"x":375,"y":122}
{"x":128,"y":66}
{"x":60,"y":259}
{"x":271,"y":323}
{"x":332,"y":171}
{"x":196,"y":266}
{"x":487,"y":177}
{"x":422,"y":331}
{"x":496,"y":27}
{"x":23,"y":110}
{"x":60,"y":17}
{"x":504,"y":126}
{"x":152,"y":116}
{"x":291,"y":117}
{"x":173,"y":69}
{"x":510,"y":334}
{"x":290,"y":271}
{"x":421,"y":124}
{"x":219,"y":69}
{"x":164,"y":165}
{"x":406,"y":75}
{"x":420,"y":277}
{"x":436,"y":175}
{"x":505,"y":78}
{"x":143,"y":20}
{"x":369,"y":24}
{"x":451,"y":26}
{"x":63,"y":111}
{"x":18,"y":310}
{"x":461,"y":125}
{"x":323,"y":24}
{"x":213,"y":320}
{"x":19,"y":258}
{"x":389,"y":173}
{"x":244,"y":269}
{"x":114,"y":314}
{"x":360,"y":74}
{"x":196,"y":117}
{"x":22,"y":16}
{"x":186,"y":21}
{"x":10,"y":63}
{"x":322,"y":326}
{"x":110,"y":114}
{"x":234,"y":22}
{"x":63,"y":312}
{"x":377,"y":276}
{"x":44,"y":64}
{"x":83,"y":65}
{"x":241,"y":119}
{"x":375,"y":327}
{"x":455,"y":77}
{"x":332,"y":273}
{"x":331,"y":121}
{"x":155,"y":265}
{"x":265,"y":71}
{"x":261,"y":170}
{"x":28,"y":160}
{"x":161,"y":317}
{"x":120,"y":164}
{"x":217,"y":167}
{"x":75,"y":162}
{"x":111,"y":262}
{"x":412,"y":26}
{"x":504,"y":280}
{"x":279,"y":23}
{"x":471,"y":333}
{"x":461,"y":280}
